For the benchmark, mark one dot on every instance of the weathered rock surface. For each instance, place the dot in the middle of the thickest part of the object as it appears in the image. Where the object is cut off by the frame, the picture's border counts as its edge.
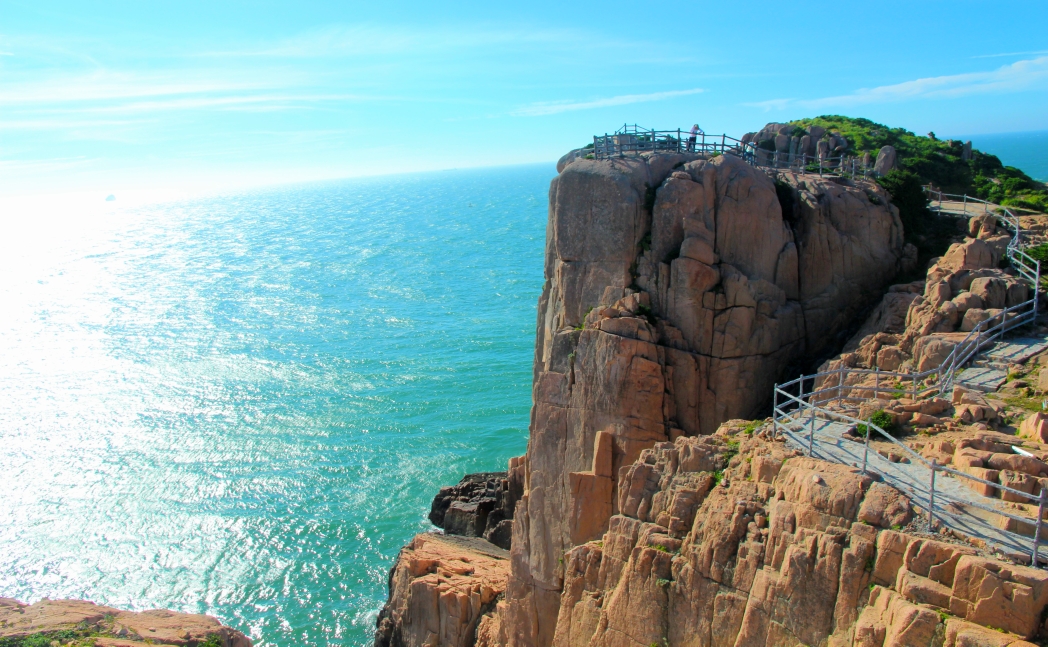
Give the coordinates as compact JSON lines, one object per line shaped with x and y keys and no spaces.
{"x":658,"y":324}
{"x":440,"y":589}
{"x":481,"y":505}
{"x":887,"y":160}
{"x":677,"y":291}
{"x":89,"y":623}
{"x":733,"y":539}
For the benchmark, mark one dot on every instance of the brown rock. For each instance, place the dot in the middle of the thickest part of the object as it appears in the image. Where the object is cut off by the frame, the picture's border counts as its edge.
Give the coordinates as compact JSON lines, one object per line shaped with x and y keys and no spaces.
{"x":994,"y":594}
{"x":440,"y":589}
{"x":884,"y":506}
{"x":991,"y":291}
{"x":966,"y":301}
{"x":159,"y":626}
{"x":1035,"y":426}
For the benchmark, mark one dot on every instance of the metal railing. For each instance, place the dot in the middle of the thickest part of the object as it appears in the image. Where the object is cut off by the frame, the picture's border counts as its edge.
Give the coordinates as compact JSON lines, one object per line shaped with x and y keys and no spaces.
{"x":632,"y":138}
{"x":792,"y":400}
{"x":636,"y":139}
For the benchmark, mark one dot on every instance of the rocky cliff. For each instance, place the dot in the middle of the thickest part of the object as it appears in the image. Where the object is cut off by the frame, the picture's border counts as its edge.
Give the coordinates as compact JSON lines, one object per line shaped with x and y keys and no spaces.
{"x":678,"y":290}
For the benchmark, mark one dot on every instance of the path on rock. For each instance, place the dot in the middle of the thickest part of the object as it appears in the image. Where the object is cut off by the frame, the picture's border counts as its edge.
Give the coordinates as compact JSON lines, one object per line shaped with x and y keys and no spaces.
{"x":952,"y":498}
{"x":990,"y":372}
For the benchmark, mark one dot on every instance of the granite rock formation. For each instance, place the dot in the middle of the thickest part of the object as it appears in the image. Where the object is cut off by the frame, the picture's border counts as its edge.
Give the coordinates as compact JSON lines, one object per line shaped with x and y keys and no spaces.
{"x":732,"y":539}
{"x":917,"y":325}
{"x":76,"y":622}
{"x":480,"y":505}
{"x":677,"y":291}
{"x":440,"y":590}
{"x":654,"y":325}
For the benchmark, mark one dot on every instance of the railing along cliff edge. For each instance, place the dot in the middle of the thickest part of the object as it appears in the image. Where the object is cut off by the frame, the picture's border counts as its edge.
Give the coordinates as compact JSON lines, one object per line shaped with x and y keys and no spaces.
{"x":793,"y":401}
{"x":631,"y":139}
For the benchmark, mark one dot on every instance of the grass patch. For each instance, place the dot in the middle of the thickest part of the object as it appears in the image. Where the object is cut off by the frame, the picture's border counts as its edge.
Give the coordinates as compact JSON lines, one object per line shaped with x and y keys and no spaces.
{"x":731,"y":452}
{"x":940,"y":162}
{"x":883,"y":420}
{"x":1024,"y":401}
{"x":646,"y":312}
{"x":661,"y":549}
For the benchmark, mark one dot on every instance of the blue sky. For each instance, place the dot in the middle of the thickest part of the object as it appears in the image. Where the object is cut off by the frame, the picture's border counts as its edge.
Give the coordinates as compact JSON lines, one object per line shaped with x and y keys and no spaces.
{"x":100,"y":97}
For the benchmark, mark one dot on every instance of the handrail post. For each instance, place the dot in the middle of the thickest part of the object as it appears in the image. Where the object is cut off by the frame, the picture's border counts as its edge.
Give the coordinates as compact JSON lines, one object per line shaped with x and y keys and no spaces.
{"x":840,"y":384}
{"x":811,"y":428}
{"x":876,"y":382}
{"x":775,"y":411}
{"x":1037,"y":530}
{"x":866,"y":446}
{"x":931,"y":498}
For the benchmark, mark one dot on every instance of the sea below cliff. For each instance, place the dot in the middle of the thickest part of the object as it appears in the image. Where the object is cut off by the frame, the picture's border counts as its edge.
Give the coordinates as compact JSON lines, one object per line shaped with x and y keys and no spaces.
{"x":243,"y":406}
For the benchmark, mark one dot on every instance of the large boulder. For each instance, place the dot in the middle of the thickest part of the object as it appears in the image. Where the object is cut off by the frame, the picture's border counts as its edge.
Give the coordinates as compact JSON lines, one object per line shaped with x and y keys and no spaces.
{"x":886,"y":160}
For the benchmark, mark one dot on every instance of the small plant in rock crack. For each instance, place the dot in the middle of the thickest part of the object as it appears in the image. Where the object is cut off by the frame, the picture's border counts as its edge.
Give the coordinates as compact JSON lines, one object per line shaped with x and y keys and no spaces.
{"x":882,"y":419}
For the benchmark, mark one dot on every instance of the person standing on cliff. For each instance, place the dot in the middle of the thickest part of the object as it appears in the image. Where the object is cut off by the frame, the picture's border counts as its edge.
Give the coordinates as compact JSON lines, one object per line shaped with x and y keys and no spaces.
{"x":695,"y":132}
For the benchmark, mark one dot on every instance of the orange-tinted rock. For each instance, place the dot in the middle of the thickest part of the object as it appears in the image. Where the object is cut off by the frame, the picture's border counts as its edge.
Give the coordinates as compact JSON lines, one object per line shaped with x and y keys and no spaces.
{"x":1035,"y":427}
{"x":114,"y":626}
{"x":441,"y":587}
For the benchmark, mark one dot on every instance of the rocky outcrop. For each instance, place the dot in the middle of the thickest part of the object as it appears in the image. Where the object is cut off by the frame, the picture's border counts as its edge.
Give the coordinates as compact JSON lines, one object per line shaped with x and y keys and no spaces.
{"x":481,"y":505}
{"x":677,"y":291}
{"x":440,"y":590}
{"x":86,"y":623}
{"x":732,"y":539}
{"x":917,"y":325}
{"x":887,"y":160}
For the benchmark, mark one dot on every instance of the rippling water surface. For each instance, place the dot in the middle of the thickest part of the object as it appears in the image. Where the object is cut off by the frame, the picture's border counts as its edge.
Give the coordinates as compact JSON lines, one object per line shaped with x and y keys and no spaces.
{"x":243,"y":406}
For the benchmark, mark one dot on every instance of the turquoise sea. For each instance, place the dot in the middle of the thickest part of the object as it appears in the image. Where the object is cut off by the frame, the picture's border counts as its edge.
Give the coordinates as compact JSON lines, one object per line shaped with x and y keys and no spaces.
{"x":1028,"y":151}
{"x":244,"y":405}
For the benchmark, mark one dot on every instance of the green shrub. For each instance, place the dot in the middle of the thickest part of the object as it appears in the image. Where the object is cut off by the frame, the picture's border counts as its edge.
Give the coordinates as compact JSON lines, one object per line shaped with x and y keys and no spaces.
{"x":883,"y":420}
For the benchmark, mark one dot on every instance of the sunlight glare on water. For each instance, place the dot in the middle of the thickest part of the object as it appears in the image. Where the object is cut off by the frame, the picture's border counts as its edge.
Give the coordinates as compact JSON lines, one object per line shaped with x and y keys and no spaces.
{"x":244,"y":405}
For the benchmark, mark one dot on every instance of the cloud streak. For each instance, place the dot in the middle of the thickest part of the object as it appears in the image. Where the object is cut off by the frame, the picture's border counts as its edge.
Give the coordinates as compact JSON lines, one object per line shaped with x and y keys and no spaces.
{"x":1018,"y":76}
{"x":543,"y":109}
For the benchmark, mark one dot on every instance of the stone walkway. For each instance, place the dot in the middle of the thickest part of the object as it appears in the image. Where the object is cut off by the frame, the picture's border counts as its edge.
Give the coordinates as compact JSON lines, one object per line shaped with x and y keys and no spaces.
{"x":914,"y":478}
{"x":990,"y":371}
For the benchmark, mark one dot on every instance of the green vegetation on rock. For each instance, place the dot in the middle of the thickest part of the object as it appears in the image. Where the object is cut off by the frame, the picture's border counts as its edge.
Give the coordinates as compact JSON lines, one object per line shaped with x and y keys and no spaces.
{"x":940,"y":162}
{"x":883,"y":420}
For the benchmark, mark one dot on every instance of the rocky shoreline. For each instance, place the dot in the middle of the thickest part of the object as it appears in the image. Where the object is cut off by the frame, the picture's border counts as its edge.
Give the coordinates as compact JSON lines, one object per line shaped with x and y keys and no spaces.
{"x":84,"y":624}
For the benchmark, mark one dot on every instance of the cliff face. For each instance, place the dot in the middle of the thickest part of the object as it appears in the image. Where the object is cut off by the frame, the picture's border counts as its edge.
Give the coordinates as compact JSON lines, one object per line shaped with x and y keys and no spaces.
{"x":661,"y":323}
{"x":735,"y":540}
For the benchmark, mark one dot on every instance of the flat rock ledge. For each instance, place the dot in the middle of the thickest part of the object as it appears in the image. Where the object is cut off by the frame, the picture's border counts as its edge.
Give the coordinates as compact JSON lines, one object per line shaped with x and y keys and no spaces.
{"x":79,"y":623}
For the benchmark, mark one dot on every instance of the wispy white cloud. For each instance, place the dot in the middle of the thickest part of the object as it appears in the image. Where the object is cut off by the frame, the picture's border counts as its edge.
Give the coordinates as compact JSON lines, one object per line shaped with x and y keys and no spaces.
{"x":541,"y":109}
{"x":370,"y":40}
{"x":1033,"y":53}
{"x":1018,"y":76}
{"x":104,"y":86}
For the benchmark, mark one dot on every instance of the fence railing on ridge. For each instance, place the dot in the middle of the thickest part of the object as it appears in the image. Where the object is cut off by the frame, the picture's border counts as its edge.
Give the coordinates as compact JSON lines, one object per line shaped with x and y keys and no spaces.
{"x":793,"y":400}
{"x":632,"y":139}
